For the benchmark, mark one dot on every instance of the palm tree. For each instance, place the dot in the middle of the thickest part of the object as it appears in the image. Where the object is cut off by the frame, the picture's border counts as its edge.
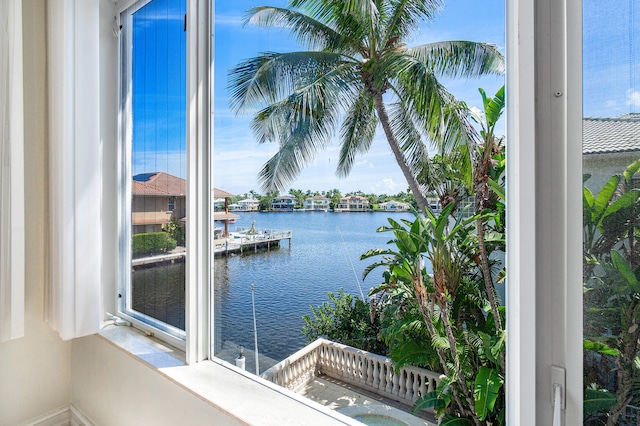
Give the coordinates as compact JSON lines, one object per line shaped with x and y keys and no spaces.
{"x":357,"y":73}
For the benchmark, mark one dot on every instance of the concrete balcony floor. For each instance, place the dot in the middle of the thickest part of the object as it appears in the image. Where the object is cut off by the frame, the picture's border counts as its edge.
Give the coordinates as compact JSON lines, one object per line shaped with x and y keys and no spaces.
{"x":339,"y":396}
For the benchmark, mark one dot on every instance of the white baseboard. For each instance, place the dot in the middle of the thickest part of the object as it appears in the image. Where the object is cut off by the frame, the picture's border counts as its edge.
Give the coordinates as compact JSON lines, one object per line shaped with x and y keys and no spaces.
{"x":68,"y":416}
{"x":58,"y":417}
{"x":79,"y":419}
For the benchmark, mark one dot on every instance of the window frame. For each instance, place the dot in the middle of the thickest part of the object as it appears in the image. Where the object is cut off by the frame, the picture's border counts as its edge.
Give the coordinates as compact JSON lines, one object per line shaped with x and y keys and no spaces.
{"x":198,"y":206}
{"x":544,"y":259}
{"x":544,"y":74}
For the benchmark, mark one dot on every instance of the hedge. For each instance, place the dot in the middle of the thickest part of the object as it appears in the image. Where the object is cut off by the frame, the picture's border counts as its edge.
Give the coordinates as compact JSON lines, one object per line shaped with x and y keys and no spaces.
{"x":152,"y":242}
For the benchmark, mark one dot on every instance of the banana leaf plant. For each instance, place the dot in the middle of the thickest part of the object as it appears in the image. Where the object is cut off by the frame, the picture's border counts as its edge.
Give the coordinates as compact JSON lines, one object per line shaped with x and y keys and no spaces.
{"x":430,"y":268}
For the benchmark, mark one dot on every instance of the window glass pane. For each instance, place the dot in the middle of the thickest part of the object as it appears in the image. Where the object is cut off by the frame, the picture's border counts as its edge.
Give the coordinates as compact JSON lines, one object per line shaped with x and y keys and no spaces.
{"x":611,"y":155}
{"x":288,"y":119}
{"x":154,"y":106}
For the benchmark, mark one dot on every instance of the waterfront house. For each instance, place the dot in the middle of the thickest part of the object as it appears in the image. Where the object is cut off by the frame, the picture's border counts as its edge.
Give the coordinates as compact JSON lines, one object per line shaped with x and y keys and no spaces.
{"x":283,"y":203}
{"x":157,"y":198}
{"x":609,"y":146}
{"x":317,"y":203}
{"x":353,"y":203}
{"x":393,"y":206}
{"x":248,"y":205}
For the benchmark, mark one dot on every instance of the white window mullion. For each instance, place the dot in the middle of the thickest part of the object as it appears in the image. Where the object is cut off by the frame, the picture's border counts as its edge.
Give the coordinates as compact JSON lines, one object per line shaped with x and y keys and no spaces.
{"x":521,"y":216}
{"x":199,"y":211}
{"x":544,"y":229}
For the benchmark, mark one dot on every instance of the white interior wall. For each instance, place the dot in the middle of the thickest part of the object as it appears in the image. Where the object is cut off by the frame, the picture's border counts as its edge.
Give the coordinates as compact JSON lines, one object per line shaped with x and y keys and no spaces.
{"x":35,"y":369}
{"x":112,"y":387}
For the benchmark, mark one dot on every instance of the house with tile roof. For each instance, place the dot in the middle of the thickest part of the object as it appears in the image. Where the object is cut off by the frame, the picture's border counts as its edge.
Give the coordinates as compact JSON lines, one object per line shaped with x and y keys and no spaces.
{"x":156,"y":199}
{"x":283,"y":203}
{"x":353,"y":203}
{"x":609,"y":145}
{"x":317,"y":203}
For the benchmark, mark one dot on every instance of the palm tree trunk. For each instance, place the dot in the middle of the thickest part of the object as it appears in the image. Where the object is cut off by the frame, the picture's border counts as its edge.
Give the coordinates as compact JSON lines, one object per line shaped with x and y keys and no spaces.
{"x":625,"y":364}
{"x":397,"y":152}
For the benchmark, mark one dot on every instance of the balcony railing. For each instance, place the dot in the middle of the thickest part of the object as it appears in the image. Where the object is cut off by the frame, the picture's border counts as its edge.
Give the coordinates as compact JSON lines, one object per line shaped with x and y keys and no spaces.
{"x":359,"y":368}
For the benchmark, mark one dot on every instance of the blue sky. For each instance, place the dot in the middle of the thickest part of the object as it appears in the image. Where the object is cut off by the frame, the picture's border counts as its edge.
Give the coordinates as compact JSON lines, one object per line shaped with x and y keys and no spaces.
{"x":611,"y":87}
{"x":159,"y":88}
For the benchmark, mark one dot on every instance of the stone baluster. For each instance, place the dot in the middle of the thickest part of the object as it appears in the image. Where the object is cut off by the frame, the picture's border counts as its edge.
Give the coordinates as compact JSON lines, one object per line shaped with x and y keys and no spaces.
{"x":382,"y":382}
{"x":370,"y":376}
{"x":375,"y":374}
{"x":389,"y":379}
{"x":402,"y":384}
{"x":395,"y":388}
{"x":417,"y":382}
{"x":407,"y":379}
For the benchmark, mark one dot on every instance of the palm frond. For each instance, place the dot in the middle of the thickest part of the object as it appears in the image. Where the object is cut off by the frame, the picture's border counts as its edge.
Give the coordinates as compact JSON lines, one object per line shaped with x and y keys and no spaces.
{"x":353,"y":19}
{"x":357,"y":132}
{"x":271,"y":77}
{"x":405,"y":16}
{"x":304,"y":127}
{"x":445,"y":120}
{"x":455,"y":59}
{"x":309,"y":32}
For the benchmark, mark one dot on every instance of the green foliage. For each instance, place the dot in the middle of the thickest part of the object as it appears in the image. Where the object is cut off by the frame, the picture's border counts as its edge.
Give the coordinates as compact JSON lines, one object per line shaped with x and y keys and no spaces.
{"x":597,"y":400}
{"x":153,"y":242}
{"x":487,"y":386}
{"x":176,"y":231}
{"x":611,"y":221}
{"x":347,"y":320}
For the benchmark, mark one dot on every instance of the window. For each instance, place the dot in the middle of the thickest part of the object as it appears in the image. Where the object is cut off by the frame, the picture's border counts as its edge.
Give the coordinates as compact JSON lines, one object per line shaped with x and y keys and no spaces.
{"x":154,"y":165}
{"x":545,"y":126}
{"x":611,"y":148}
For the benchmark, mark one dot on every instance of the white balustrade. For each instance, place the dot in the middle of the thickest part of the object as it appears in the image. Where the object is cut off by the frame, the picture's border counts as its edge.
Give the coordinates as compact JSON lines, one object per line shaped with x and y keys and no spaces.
{"x":368,"y":371}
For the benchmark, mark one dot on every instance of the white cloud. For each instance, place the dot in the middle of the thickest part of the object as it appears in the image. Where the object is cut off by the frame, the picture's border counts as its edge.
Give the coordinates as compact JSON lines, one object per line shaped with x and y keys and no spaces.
{"x":633,"y":98}
{"x":387,"y":186}
{"x":364,"y":164}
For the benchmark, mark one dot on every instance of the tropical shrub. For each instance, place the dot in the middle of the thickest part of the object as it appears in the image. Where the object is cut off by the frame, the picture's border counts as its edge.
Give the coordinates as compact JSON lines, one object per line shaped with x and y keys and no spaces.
{"x":345,"y":319}
{"x":438,"y":298}
{"x":611,"y":221}
{"x":152,"y":242}
{"x":176,"y":231}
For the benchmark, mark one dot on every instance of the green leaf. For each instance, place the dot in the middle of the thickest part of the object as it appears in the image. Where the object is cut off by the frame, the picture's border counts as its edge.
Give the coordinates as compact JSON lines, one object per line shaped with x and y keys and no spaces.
{"x":597,"y":400}
{"x":486,"y":391}
{"x":631,"y":170}
{"x":430,"y":400}
{"x":604,"y":197}
{"x":602,"y":348}
{"x":454,"y":421}
{"x":498,"y":189}
{"x":625,"y":270}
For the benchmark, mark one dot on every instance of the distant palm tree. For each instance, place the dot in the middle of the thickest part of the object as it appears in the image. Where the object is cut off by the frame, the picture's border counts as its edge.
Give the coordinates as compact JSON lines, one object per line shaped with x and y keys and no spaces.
{"x":357,"y":73}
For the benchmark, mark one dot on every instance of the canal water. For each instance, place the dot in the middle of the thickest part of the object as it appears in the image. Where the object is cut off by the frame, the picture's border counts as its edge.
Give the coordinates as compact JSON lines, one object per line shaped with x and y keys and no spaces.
{"x":322,"y":256}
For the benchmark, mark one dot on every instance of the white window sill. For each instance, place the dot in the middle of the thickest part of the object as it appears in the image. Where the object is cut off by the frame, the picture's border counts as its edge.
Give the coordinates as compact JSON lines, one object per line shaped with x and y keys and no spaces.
{"x":243,"y":395}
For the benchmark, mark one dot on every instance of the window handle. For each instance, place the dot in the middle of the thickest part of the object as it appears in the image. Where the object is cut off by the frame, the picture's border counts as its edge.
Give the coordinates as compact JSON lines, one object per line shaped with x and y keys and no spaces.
{"x":558,"y":394}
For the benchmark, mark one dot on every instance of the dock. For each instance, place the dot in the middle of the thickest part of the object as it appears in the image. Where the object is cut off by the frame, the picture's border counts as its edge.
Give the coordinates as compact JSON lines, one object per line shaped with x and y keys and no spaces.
{"x":250,"y":240}
{"x":161,"y":258}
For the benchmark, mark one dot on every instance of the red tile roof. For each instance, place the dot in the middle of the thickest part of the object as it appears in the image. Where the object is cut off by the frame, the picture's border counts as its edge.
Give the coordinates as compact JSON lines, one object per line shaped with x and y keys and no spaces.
{"x":158,"y":184}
